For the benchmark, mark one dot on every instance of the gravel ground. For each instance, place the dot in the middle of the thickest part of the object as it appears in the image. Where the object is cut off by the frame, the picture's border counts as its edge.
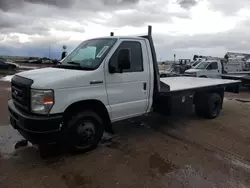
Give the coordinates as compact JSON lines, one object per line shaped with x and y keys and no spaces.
{"x":151,"y":151}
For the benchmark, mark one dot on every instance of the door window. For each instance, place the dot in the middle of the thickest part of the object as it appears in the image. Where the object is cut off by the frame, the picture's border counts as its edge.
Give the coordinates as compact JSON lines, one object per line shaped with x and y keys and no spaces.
{"x":136,"y":56}
{"x":213,"y":66}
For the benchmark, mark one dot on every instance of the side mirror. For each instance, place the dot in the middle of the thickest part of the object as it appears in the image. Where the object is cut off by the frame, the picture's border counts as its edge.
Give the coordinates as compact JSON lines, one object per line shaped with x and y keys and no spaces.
{"x":124,"y":57}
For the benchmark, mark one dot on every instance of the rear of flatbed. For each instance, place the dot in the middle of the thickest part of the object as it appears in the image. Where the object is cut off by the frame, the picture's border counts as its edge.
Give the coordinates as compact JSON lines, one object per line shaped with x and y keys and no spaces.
{"x":206,"y":94}
{"x":244,"y":78}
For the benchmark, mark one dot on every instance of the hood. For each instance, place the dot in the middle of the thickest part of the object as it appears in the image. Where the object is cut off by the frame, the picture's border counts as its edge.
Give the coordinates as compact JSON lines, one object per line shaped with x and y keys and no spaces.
{"x":58,"y":78}
{"x":193,"y":70}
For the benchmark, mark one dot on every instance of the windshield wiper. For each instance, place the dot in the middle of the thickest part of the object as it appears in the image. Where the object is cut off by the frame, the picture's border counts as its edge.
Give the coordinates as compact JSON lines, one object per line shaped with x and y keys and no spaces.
{"x":78,"y":65}
{"x":73,"y":63}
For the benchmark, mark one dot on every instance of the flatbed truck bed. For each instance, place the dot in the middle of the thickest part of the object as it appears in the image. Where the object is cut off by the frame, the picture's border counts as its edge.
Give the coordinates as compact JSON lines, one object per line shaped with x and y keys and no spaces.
{"x":192,"y":83}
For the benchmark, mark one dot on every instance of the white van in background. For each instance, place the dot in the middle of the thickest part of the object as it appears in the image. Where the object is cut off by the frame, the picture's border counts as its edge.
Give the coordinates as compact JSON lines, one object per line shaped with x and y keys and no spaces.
{"x":214,"y":68}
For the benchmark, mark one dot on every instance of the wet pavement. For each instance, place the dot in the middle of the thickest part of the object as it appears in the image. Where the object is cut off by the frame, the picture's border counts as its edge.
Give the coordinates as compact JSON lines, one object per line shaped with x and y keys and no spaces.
{"x":8,"y":138}
{"x":151,"y":151}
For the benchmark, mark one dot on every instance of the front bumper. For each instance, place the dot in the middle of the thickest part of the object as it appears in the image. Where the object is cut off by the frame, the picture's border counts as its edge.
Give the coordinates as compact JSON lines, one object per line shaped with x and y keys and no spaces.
{"x":189,"y":75}
{"x":34,"y":128}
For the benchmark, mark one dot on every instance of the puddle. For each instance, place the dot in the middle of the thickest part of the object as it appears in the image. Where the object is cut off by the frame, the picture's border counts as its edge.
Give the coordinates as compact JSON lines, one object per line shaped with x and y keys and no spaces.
{"x":73,"y":179}
{"x":163,"y":166}
{"x":237,"y":99}
{"x":8,"y":138}
{"x":243,"y":100}
{"x":6,"y":78}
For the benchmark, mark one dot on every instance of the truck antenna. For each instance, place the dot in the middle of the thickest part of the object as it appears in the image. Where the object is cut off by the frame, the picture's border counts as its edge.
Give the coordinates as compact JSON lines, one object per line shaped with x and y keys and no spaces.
{"x":149,"y":30}
{"x":112,"y":34}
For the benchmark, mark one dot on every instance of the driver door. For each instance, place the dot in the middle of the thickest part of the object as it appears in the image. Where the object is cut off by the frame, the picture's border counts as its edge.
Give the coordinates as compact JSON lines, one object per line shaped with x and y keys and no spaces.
{"x":212,"y":70}
{"x":128,"y":92}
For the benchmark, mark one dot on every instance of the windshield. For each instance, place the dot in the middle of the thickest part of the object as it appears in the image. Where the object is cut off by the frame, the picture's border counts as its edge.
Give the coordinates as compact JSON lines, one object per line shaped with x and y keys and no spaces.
{"x":202,"y":65}
{"x":195,"y":63}
{"x":89,"y":54}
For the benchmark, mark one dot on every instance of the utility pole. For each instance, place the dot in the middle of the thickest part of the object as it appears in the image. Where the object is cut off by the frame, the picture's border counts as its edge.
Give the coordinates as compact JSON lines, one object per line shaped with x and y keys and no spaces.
{"x":49,"y":52}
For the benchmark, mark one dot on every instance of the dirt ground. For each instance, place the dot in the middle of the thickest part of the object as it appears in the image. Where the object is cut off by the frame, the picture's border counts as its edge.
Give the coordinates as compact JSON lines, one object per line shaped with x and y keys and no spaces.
{"x":150,"y":152}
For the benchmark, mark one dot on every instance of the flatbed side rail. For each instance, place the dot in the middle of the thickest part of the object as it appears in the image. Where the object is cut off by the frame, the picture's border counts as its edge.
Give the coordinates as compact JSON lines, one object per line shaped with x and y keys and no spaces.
{"x":229,"y":87}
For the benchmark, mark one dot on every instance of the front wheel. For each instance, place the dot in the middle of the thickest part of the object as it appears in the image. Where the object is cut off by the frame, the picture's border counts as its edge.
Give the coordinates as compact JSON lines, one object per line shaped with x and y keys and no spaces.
{"x":84,"y":131}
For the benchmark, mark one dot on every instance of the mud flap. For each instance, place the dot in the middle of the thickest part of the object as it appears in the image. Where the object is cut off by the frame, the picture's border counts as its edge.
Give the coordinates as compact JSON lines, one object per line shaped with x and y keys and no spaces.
{"x":233,"y":89}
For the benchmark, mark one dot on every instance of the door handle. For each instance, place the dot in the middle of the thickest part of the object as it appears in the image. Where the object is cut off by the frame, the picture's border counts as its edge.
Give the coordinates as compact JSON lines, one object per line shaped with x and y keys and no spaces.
{"x":144,"y":86}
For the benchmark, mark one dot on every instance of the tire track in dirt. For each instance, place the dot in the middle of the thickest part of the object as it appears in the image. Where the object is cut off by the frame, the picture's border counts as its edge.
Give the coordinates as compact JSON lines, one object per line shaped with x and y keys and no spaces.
{"x":233,"y":158}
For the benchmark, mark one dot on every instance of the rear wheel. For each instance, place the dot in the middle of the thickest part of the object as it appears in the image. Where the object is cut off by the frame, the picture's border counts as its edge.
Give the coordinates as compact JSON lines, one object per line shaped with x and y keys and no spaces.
{"x":214,"y":106}
{"x":208,"y":105}
{"x":84,"y":131}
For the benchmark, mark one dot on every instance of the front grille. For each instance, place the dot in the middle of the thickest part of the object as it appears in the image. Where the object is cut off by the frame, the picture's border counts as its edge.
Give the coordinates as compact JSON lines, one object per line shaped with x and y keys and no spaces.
{"x":20,"y":91}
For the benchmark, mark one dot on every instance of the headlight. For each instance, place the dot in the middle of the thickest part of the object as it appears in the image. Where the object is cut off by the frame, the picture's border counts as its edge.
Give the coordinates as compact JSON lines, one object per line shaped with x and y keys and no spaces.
{"x":41,"y":101}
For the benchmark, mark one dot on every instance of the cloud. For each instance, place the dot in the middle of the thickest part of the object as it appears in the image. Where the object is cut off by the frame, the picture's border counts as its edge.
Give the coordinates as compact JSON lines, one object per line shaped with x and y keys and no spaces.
{"x":6,"y":5}
{"x":187,"y":3}
{"x":235,"y":40}
{"x":146,"y":12}
{"x":227,"y":6}
{"x":183,"y":27}
{"x":57,"y":3}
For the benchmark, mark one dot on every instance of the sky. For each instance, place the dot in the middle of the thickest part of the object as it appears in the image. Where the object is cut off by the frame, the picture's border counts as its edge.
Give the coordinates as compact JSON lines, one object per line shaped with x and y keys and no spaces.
{"x":181,"y":27}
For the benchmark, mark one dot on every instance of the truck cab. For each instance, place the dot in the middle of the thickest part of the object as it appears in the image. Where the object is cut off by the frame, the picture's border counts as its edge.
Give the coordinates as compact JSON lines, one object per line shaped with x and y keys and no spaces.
{"x":206,"y":69}
{"x":97,"y":76}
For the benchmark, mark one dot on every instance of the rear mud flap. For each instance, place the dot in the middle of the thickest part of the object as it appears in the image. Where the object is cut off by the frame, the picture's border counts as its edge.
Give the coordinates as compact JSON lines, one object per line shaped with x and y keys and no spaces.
{"x":233,"y":89}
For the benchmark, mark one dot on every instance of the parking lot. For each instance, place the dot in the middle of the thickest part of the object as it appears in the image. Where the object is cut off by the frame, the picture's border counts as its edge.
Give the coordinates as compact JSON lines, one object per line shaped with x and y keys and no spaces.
{"x":151,"y":151}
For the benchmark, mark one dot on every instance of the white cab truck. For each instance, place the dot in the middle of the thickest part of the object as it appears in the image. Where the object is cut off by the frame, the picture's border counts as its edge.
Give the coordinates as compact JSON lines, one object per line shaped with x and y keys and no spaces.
{"x":214,"y":68}
{"x":102,"y":81}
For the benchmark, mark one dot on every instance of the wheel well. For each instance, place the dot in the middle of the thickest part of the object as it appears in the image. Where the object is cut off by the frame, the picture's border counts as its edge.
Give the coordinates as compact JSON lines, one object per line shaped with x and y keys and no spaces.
{"x":94,"y":105}
{"x":200,"y":95}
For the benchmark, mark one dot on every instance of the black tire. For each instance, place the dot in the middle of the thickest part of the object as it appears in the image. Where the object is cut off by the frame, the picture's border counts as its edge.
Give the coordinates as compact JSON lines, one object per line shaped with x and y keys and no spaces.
{"x":83,"y":132}
{"x":203,"y":77}
{"x":208,"y":106}
{"x":214,"y":105}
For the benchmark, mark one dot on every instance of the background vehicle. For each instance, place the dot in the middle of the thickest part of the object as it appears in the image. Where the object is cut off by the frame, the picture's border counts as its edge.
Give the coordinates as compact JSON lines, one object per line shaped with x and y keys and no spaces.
{"x":194,"y":63}
{"x":4,"y":65}
{"x":214,"y":68}
{"x":104,"y":80}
